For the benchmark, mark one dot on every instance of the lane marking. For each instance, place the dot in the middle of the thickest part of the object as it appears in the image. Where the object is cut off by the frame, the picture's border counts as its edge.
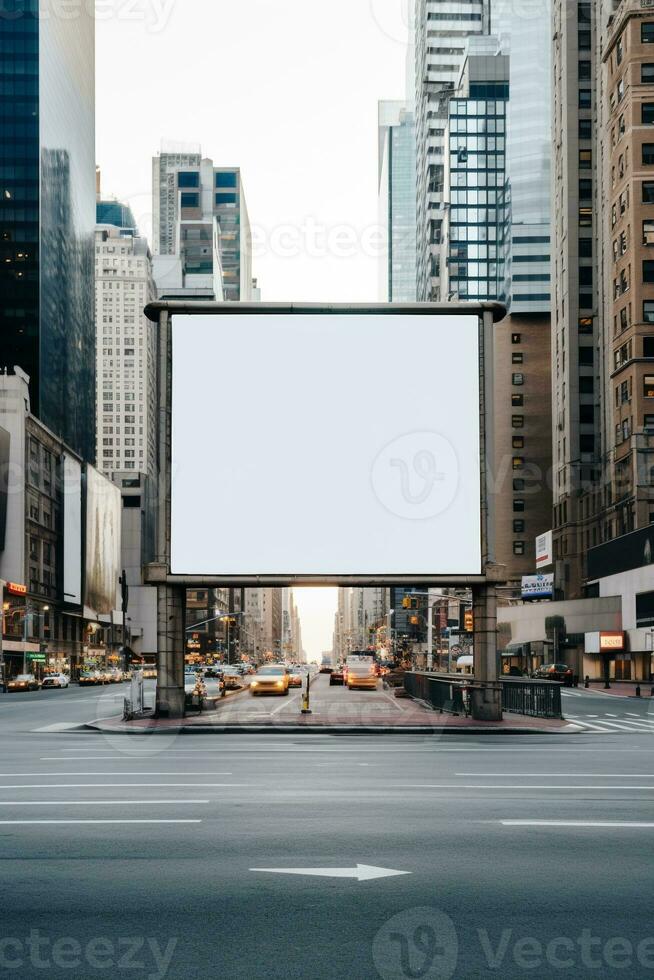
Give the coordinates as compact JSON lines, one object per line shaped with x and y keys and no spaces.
{"x":520,"y":786}
{"x":362,"y":872}
{"x":20,"y":823}
{"x":9,"y":775}
{"x":112,"y":785}
{"x":563,"y":775}
{"x":285,"y":704}
{"x":99,"y":802}
{"x":577,"y":823}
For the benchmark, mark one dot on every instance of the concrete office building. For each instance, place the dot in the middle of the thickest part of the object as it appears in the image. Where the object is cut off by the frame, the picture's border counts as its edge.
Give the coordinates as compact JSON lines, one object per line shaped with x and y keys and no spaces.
{"x":441,"y":29}
{"x":126,"y":366}
{"x":578,"y":451}
{"x":47,"y":214}
{"x":202,"y":238}
{"x":397,"y":202}
{"x":48,"y":622}
{"x":495,"y":246}
{"x":627,"y":117}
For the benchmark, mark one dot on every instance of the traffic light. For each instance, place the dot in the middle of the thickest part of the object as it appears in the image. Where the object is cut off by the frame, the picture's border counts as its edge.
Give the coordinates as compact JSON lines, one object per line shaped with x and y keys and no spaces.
{"x":406,"y":602}
{"x":415,"y":620}
{"x":468,"y":621}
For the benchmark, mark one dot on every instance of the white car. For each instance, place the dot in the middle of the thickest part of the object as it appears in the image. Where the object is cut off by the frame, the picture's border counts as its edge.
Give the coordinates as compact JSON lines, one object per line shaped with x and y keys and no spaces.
{"x":55,"y":680}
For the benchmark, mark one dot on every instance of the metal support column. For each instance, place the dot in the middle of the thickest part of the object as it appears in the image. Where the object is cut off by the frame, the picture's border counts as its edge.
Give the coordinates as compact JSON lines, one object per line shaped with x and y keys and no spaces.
{"x":170,"y":640}
{"x":487,"y":692}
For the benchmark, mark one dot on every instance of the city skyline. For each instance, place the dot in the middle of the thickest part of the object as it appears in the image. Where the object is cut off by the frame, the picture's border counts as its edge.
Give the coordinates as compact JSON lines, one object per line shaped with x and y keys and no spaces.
{"x":314,"y":214}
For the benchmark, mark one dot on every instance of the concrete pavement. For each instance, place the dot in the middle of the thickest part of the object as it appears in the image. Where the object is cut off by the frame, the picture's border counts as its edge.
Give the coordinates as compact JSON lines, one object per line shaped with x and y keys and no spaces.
{"x":504,"y":845}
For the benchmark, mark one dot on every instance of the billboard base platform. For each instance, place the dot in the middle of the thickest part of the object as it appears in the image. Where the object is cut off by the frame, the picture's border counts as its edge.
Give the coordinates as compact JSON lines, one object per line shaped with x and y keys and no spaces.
{"x":303,"y":725}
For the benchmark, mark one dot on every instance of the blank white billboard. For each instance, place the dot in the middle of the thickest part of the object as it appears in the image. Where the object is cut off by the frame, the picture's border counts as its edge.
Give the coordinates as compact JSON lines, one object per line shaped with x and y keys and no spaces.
{"x":72,"y":530}
{"x":325,"y":445}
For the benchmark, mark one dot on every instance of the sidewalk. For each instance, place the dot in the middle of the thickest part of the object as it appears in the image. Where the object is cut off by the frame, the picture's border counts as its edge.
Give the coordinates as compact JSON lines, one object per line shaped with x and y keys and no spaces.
{"x":401,"y":716}
{"x":621,"y":689}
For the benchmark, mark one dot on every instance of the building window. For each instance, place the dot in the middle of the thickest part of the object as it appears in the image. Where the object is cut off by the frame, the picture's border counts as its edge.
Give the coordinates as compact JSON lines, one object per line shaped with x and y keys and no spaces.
{"x":586,"y":356}
{"x":587,"y":443}
{"x":585,"y":324}
{"x":517,"y":358}
{"x":648,"y":154}
{"x":648,"y":346}
{"x":518,"y":547}
{"x":226,"y":179}
{"x":648,"y":422}
{"x":518,"y":506}
{"x":647,"y":32}
{"x":225,"y":198}
{"x":648,"y":270}
{"x":648,"y":386}
{"x":519,"y":379}
{"x":648,"y":192}
{"x":517,"y":401}
{"x":518,"y":462}
{"x":518,"y":421}
{"x":585,"y":98}
{"x":518,"y":442}
{"x":648,"y":232}
{"x":648,"y":311}
{"x":188,"y":179}
{"x":584,"y":71}
{"x":518,"y":527}
{"x":585,"y":159}
{"x":585,"y":217}
{"x":518,"y":485}
{"x":586,"y":385}
{"x":647,"y":73}
{"x":190,"y":200}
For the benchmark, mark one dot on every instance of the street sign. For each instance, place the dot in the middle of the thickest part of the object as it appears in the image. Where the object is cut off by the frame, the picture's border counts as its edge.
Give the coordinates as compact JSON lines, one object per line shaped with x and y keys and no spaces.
{"x":537,"y":586}
{"x":544,"y":550}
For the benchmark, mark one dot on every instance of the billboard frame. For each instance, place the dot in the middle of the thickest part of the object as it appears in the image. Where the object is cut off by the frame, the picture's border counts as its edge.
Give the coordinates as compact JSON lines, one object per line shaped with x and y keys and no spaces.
{"x":161,"y":312}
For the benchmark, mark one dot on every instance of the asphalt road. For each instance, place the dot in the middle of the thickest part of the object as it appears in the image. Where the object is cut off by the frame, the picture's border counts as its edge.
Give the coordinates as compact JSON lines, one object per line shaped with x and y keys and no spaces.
{"x":595,"y":711}
{"x":151,"y":857}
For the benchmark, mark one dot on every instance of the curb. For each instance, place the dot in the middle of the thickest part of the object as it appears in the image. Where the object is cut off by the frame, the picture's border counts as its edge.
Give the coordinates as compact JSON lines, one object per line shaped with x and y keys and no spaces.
{"x":326,"y":730}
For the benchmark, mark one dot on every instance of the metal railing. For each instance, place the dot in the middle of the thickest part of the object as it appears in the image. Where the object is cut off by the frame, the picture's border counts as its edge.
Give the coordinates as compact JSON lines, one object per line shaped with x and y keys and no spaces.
{"x":440,"y":692}
{"x":522,"y":696}
{"x":540,"y":699}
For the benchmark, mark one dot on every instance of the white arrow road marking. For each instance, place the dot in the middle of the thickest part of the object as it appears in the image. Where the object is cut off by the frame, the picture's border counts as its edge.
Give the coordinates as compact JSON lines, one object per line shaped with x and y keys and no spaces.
{"x":362,"y":872}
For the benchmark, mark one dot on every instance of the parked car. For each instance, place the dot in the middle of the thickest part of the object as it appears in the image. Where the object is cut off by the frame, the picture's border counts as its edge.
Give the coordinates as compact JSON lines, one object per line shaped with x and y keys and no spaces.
{"x":55,"y":680}
{"x":87,"y":677}
{"x":553,"y":672}
{"x":337,"y":676}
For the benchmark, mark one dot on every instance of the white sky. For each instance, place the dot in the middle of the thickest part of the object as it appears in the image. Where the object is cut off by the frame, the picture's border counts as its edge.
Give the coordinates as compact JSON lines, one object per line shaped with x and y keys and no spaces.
{"x":288,"y":91}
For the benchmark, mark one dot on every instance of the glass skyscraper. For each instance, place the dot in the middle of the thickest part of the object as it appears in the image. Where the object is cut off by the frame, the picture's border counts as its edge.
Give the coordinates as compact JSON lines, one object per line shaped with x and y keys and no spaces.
{"x":397,"y":201}
{"x":47,"y":213}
